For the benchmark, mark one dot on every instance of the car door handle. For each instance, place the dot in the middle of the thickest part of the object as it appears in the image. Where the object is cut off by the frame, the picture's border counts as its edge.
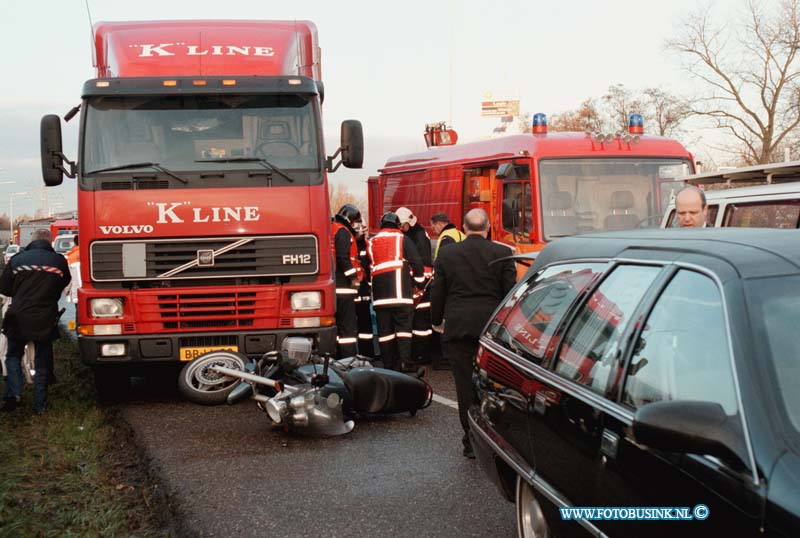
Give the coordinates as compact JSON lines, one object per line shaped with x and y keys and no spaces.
{"x":609,"y":443}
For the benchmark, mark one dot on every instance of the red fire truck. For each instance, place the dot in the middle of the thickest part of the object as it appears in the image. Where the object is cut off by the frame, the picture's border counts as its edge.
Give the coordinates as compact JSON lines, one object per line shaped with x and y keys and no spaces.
{"x":539,"y":186}
{"x":202,"y":192}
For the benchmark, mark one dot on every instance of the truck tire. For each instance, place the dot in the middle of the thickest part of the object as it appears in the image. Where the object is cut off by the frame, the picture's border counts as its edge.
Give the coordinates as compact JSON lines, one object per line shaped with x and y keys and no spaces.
{"x":113,"y":383}
{"x":198,"y":384}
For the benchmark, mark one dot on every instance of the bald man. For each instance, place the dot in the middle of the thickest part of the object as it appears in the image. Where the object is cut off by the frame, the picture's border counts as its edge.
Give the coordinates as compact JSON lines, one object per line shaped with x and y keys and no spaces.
{"x":466,"y":288}
{"x":691,"y":208}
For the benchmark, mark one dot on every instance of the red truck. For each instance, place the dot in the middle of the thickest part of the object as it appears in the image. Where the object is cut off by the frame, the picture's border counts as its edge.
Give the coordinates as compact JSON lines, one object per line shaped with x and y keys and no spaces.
{"x":537,"y":186}
{"x":63,"y":226}
{"x":202,"y":192}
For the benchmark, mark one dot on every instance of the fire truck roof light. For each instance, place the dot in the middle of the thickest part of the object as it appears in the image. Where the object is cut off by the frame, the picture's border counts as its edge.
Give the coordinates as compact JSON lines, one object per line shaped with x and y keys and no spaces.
{"x":170,"y":83}
{"x":103,"y":83}
{"x":198,"y":83}
{"x":636,"y":124}
{"x":295,"y":81}
{"x":228,"y":82}
{"x":539,"y":123}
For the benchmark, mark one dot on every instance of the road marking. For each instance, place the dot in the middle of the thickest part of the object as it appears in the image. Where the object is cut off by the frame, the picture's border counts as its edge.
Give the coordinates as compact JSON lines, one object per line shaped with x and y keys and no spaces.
{"x":445,"y":401}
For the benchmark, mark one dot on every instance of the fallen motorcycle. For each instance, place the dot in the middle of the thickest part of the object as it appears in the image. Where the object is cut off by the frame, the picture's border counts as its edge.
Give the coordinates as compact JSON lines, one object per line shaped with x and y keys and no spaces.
{"x":302,"y":391}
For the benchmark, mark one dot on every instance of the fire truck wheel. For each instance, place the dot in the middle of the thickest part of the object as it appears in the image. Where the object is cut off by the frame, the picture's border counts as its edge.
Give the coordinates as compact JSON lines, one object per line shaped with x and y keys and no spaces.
{"x":199,"y":383}
{"x":113,"y":383}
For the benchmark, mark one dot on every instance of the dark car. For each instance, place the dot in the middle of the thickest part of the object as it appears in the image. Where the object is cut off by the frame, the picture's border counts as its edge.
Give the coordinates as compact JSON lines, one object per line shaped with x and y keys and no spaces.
{"x":646,"y":375}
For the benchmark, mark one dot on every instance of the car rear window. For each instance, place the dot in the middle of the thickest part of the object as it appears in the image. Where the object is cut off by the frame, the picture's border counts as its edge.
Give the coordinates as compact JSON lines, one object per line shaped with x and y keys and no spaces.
{"x":776,"y":309}
{"x":527,"y":321}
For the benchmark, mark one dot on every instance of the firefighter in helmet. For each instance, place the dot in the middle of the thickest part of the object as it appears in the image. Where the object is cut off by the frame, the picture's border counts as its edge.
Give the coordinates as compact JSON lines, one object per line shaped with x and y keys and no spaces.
{"x":396,"y":269}
{"x":421,"y":325}
{"x":366,"y":336}
{"x":349,"y":274}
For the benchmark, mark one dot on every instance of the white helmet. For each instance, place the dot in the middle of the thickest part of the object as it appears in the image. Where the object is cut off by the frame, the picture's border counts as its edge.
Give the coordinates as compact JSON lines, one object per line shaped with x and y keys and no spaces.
{"x":406,"y":216}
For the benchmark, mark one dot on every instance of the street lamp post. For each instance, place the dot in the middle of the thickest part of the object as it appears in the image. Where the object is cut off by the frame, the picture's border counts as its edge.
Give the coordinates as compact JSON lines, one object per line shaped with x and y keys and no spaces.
{"x":11,"y":209}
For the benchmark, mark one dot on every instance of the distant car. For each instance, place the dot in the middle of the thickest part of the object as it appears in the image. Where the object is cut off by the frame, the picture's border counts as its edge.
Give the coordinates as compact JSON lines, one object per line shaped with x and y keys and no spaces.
{"x":10,"y":251}
{"x":64,"y":243}
{"x":646,"y":369}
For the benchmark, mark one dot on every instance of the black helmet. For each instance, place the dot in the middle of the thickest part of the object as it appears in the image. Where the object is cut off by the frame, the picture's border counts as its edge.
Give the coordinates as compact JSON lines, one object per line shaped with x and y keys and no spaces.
{"x":350,"y":213}
{"x":390,"y":220}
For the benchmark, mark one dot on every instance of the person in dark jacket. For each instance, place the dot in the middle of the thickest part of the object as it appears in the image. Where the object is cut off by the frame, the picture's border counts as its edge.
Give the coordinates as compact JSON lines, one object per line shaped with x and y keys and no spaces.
{"x":349,"y":274}
{"x":366,"y":336}
{"x":34,"y":279}
{"x":421,"y":324}
{"x":465,"y":291}
{"x":395,"y":269}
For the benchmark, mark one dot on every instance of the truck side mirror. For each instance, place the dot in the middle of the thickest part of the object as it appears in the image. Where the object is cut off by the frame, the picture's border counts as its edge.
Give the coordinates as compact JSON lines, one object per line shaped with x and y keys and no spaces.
{"x":351,"y":148}
{"x":352,"y":144}
{"x":53,"y":158}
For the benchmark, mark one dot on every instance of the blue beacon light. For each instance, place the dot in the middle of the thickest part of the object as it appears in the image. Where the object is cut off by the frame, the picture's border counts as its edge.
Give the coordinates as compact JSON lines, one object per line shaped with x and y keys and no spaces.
{"x":636,"y":124}
{"x":539,"y":123}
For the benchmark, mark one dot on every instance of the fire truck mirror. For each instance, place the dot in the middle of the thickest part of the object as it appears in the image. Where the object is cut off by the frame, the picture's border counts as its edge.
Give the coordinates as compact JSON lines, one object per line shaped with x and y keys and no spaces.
{"x":352,"y":144}
{"x":52,"y":155}
{"x":510,"y":171}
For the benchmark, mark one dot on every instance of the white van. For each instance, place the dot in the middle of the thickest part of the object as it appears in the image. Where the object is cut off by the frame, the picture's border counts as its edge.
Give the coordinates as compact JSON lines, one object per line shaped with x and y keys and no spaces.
{"x":773,"y":200}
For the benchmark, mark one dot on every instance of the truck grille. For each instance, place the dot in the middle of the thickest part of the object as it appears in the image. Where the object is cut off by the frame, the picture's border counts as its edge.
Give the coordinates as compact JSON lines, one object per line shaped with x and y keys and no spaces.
{"x":208,"y":311}
{"x":208,"y":258}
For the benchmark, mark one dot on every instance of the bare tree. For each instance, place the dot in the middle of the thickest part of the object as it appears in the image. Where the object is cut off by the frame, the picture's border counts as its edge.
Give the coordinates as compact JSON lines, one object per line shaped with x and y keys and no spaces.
{"x":340,"y":195}
{"x":751,"y":72}
{"x":666,"y":110}
{"x":620,"y":103}
{"x":585,"y":117}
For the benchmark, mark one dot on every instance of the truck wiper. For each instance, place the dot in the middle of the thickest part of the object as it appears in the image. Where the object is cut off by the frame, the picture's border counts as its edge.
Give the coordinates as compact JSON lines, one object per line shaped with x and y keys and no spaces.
{"x":131,"y":166}
{"x":263,"y":162}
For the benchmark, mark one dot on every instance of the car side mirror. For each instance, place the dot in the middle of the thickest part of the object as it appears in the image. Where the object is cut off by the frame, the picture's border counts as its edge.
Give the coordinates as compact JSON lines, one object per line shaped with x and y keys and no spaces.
{"x":690,"y":427}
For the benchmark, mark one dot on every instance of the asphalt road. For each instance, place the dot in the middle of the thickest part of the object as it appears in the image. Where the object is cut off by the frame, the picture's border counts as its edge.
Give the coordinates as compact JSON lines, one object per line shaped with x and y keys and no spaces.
{"x":231,"y":474}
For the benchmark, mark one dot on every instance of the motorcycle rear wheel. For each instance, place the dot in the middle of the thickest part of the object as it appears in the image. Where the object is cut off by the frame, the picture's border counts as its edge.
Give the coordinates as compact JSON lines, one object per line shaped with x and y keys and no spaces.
{"x":199,"y":384}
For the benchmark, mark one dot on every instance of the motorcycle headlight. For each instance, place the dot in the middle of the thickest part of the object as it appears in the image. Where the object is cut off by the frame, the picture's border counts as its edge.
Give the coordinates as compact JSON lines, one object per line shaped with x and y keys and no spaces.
{"x":306,"y":300}
{"x":106,"y":308}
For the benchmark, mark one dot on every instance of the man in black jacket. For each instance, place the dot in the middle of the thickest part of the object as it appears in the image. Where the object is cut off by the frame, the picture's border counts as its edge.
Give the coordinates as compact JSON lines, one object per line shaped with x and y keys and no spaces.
{"x":34,"y":280}
{"x":421,"y":324}
{"x":464,"y":293}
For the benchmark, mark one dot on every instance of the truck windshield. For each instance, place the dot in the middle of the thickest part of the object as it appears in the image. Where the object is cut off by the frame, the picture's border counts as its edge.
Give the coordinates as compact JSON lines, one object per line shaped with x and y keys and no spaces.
{"x":202,"y":133}
{"x":592,"y":195}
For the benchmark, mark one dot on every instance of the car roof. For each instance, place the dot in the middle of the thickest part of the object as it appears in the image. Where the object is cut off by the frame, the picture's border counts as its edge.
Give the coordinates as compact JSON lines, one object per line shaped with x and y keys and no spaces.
{"x":746,"y":252}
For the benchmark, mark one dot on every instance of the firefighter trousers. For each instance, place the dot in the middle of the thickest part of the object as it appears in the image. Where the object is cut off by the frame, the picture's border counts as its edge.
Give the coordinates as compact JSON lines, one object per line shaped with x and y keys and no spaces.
{"x":366,"y":338}
{"x":421,"y":330}
{"x":346,"y":326}
{"x":394,"y":334}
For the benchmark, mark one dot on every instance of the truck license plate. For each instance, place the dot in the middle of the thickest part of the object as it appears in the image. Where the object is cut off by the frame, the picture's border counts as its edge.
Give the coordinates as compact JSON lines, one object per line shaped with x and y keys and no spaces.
{"x":190,"y":353}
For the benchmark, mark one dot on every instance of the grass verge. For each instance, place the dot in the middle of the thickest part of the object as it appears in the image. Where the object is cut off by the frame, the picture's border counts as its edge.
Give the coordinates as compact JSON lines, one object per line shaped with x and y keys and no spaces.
{"x":74,"y":470}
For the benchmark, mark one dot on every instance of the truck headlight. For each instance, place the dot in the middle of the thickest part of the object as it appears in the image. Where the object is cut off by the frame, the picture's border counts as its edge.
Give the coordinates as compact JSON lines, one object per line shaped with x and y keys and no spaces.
{"x":106,"y":308}
{"x":306,"y":300}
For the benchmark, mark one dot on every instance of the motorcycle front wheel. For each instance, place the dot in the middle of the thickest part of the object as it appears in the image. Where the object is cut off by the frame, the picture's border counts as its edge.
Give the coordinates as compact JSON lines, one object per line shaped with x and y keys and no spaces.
{"x":200,"y":384}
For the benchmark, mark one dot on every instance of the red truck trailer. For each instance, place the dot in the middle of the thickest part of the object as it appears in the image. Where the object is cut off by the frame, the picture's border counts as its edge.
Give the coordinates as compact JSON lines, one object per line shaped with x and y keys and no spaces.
{"x":538,"y":186}
{"x":64,"y":226}
{"x":202,"y":192}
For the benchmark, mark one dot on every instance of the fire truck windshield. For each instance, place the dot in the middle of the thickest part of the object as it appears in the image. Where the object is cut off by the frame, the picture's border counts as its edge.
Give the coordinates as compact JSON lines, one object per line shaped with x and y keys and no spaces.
{"x":591,"y":195}
{"x":213,"y":134}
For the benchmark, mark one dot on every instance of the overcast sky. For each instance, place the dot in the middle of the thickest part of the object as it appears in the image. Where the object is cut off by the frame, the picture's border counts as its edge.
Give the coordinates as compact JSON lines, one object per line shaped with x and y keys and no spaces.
{"x":390,"y":65}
